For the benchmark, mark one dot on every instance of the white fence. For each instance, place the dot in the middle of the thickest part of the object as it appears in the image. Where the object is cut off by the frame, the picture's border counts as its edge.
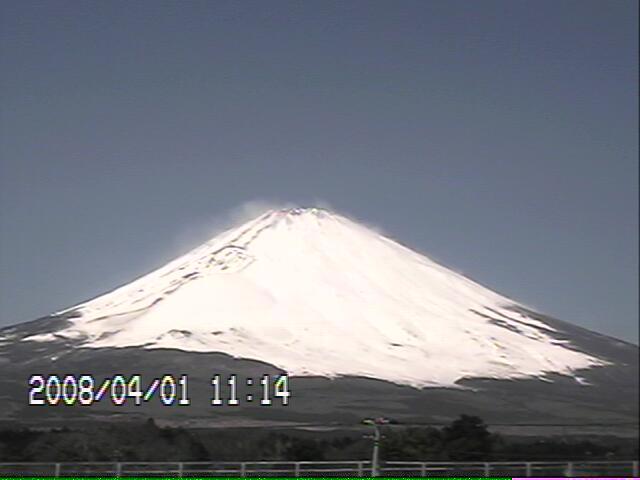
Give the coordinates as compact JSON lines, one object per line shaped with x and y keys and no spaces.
{"x":323,"y":469}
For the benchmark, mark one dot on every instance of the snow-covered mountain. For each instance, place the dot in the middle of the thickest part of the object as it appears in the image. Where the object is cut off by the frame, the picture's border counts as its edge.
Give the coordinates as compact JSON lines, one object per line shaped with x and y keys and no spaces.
{"x":315,"y":293}
{"x":358,"y":321}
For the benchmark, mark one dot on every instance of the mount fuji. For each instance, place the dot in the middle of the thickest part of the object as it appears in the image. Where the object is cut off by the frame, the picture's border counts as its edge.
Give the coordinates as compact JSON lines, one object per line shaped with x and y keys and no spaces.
{"x":359,"y":322}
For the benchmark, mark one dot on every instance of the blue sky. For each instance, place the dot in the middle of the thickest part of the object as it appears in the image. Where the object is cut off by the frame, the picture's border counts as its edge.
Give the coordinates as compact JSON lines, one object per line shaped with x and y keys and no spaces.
{"x":498,"y":137}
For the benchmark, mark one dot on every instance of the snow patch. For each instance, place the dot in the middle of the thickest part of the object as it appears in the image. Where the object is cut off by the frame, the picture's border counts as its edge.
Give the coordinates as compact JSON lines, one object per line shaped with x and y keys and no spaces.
{"x":315,"y":293}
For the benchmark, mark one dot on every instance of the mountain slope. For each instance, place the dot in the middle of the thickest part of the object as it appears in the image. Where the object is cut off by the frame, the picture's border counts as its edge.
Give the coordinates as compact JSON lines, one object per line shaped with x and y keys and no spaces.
{"x":317,"y":294}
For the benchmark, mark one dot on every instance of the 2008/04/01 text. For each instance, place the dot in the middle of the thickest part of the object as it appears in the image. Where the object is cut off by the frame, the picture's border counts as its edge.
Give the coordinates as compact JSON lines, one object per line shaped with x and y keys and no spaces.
{"x":84,"y":390}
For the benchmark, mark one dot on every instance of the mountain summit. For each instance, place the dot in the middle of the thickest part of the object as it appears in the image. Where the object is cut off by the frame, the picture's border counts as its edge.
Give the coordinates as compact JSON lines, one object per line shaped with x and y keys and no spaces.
{"x":317,"y":294}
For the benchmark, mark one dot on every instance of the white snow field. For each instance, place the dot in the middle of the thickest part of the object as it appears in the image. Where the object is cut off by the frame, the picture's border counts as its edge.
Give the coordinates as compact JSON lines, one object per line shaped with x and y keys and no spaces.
{"x":315,"y":293}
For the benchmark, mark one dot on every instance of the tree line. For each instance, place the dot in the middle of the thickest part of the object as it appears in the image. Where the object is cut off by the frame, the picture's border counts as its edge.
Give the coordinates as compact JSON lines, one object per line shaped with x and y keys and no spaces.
{"x":465,"y":439}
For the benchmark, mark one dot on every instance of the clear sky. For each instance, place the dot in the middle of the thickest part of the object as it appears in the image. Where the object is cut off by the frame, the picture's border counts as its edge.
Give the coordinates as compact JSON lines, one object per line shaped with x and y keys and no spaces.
{"x":498,"y":137}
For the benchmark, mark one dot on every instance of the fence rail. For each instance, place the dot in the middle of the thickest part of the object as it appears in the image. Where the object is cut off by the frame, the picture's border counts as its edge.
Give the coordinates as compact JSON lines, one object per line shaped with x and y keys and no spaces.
{"x":323,"y":469}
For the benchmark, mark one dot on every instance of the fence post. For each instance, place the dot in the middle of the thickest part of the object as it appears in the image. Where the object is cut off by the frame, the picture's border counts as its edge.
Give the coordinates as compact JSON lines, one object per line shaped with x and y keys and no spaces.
{"x":423,"y":469}
{"x":527,"y":469}
{"x":634,"y":469}
{"x":569,"y":471}
{"x":360,"y":472}
{"x":180,"y":469}
{"x":243,"y":469}
{"x":118,"y":469}
{"x":487,"y":469}
{"x":57,"y":470}
{"x":296,"y":469}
